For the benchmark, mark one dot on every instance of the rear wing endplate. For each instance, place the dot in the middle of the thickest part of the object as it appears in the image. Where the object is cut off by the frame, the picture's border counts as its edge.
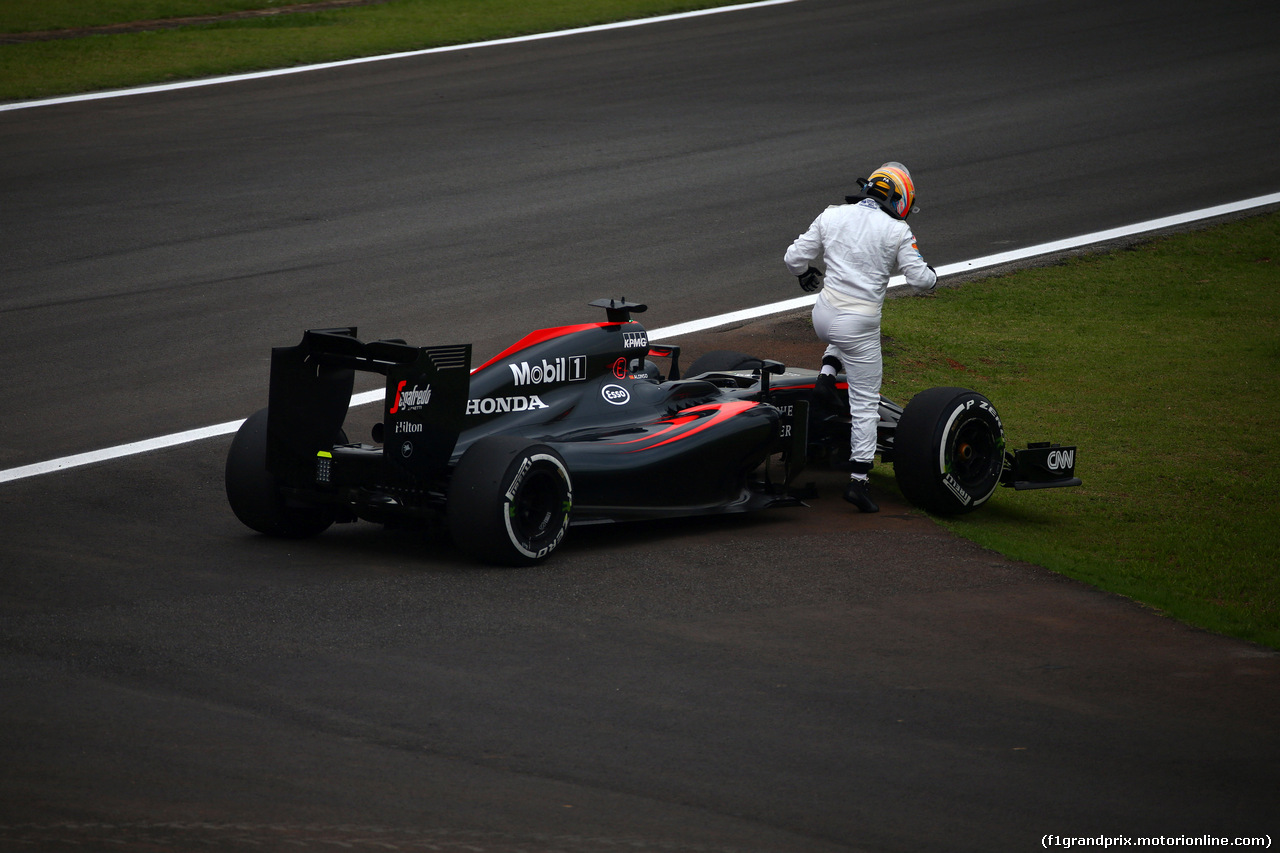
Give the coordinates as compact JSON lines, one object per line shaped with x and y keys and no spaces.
{"x":311,"y":386}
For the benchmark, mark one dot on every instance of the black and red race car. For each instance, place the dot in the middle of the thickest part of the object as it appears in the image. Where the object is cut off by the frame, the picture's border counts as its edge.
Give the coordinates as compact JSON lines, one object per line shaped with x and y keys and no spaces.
{"x":576,"y":425}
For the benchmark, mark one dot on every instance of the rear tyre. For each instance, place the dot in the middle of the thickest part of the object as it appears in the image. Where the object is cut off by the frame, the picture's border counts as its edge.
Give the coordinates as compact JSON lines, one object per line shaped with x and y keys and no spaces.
{"x":722,"y":359}
{"x":948,"y":450}
{"x":254,"y":492}
{"x":509,"y":501}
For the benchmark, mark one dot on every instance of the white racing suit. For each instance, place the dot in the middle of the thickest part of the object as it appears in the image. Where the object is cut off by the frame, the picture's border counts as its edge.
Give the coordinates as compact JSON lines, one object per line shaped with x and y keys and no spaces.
{"x":862,"y":247}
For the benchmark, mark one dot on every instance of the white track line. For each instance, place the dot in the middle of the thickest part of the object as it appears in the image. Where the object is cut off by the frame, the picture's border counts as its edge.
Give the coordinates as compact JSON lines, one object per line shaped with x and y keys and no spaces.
{"x":985,"y":262}
{"x":302,"y":69}
{"x":988,"y":261}
{"x":131,"y":449}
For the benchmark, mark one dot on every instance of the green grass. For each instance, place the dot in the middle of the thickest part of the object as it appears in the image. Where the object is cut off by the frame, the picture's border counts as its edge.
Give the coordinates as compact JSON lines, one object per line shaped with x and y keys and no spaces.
{"x":1161,"y":364}
{"x":21,"y":16}
{"x":98,"y":62}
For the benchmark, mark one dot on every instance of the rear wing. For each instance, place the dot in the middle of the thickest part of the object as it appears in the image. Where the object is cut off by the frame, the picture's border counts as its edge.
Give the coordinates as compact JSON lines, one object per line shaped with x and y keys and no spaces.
{"x":310,"y":392}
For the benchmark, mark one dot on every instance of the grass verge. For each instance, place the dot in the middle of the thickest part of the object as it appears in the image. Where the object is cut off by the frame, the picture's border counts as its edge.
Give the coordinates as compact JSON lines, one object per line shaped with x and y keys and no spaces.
{"x":1160,"y":363}
{"x":39,"y":69}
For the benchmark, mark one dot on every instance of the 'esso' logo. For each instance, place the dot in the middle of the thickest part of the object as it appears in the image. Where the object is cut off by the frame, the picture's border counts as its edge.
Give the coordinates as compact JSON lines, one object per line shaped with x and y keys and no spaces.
{"x":615,"y":394}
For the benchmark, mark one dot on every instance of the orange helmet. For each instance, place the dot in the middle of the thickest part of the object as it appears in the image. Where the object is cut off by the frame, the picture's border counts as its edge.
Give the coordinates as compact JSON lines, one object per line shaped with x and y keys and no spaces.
{"x":891,"y":187}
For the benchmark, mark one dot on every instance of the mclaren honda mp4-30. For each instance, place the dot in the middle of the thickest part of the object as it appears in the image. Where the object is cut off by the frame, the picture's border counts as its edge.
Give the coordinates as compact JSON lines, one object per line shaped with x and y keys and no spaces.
{"x":576,"y":425}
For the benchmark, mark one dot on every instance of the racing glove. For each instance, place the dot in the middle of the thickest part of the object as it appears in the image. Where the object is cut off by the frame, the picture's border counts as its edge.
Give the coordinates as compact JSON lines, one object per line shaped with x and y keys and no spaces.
{"x":810,"y":279}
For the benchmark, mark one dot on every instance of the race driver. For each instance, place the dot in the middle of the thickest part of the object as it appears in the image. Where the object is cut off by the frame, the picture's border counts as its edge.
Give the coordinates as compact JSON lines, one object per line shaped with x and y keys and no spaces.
{"x":863,"y":242}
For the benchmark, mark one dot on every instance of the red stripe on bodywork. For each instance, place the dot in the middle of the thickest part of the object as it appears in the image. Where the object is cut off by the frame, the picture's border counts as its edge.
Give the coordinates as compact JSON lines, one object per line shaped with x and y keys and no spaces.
{"x":844,"y":385}
{"x":541,"y":336}
{"x":673,"y":423}
{"x":720,"y":412}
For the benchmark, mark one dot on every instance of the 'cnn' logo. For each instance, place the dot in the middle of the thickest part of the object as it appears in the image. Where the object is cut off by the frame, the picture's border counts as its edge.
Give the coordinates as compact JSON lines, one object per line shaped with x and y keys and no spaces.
{"x":1060,"y":459}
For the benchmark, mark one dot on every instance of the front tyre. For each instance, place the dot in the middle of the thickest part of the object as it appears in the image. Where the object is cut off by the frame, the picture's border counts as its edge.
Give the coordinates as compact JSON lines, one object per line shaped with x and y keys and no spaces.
{"x":948,"y":450}
{"x":509,"y":501}
{"x":254,"y":492}
{"x":718,"y":361}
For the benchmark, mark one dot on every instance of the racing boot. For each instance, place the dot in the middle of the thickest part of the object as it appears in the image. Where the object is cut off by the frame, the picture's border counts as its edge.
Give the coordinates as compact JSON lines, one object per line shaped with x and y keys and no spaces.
{"x":858,"y":494}
{"x":826,"y":399}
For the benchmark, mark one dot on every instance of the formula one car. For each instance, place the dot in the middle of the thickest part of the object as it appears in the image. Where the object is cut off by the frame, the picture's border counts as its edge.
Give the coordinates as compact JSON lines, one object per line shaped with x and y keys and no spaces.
{"x":576,"y":425}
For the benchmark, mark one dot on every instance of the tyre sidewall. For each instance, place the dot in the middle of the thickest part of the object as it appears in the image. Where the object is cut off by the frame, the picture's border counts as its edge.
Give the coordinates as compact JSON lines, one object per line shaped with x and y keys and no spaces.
{"x":254,"y":492}
{"x":928,"y":465}
{"x":510,"y":501}
{"x":722,"y":360}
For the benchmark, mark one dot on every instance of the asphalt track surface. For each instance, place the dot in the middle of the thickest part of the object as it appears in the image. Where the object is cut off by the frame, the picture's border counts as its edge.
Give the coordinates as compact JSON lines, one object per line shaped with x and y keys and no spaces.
{"x":810,"y":680}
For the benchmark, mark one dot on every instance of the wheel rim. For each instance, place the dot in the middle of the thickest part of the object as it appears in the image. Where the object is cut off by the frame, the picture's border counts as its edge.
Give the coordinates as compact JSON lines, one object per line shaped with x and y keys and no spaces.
{"x":537,"y":512}
{"x":972,"y":453}
{"x":535,"y":506}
